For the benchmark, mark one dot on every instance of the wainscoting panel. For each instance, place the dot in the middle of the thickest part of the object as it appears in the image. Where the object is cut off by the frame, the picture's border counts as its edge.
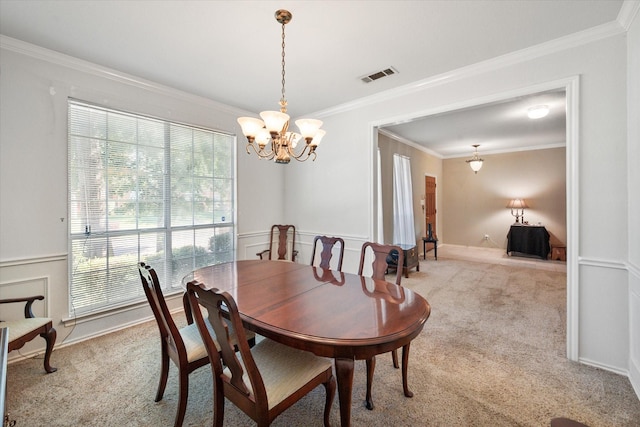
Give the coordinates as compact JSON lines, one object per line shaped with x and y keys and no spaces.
{"x":46,"y":276}
{"x":606,"y":341}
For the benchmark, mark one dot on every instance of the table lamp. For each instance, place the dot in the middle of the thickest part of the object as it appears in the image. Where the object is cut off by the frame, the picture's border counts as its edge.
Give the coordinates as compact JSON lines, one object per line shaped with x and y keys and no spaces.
{"x":516,"y":204}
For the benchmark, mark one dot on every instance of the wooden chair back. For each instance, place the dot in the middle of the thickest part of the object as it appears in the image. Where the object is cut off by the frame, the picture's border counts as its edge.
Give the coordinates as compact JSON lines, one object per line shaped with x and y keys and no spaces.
{"x":186,"y":358}
{"x":278,"y":243}
{"x":328,"y":244}
{"x":379,"y":264}
{"x":239,"y":378}
{"x":169,"y":332}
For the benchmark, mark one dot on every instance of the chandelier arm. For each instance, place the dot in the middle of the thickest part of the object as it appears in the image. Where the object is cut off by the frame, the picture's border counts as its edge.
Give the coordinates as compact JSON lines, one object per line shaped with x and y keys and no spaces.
{"x":261,"y":153}
{"x":302,"y":152}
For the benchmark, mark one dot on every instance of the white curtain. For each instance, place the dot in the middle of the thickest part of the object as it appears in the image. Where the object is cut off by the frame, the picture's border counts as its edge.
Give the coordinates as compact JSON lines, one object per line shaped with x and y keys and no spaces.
{"x":403,"y":226}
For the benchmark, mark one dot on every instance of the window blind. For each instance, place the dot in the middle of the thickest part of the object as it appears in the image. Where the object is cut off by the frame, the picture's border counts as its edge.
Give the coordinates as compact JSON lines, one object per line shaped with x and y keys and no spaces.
{"x":143,"y":189}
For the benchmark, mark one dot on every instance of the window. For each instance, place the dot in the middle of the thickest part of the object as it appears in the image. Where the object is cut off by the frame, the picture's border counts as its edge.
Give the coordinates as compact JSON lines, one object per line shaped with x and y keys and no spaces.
{"x":143,"y":189}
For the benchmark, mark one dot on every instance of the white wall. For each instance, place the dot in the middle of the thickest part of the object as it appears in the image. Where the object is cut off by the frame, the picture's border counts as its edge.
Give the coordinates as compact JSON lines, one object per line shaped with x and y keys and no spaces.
{"x":347,"y":151}
{"x":633,"y":186}
{"x":35,"y":85}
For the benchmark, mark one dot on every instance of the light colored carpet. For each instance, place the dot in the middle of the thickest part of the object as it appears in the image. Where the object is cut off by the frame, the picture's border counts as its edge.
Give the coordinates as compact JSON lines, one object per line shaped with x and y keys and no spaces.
{"x":491,"y":354}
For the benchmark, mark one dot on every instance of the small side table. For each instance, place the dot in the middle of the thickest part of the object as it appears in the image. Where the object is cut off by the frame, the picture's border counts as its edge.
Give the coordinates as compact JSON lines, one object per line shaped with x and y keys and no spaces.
{"x":433,"y":240}
{"x":411,"y":259}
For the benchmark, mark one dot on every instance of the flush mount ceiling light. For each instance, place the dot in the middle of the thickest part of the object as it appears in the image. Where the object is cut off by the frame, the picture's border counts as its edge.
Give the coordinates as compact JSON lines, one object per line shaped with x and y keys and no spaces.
{"x":273,"y":129}
{"x":475,"y":162}
{"x":538,"y":112}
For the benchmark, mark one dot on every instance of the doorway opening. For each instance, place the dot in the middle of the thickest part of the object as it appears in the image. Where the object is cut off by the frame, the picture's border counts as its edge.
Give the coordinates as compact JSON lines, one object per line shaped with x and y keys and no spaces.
{"x":570,"y":86}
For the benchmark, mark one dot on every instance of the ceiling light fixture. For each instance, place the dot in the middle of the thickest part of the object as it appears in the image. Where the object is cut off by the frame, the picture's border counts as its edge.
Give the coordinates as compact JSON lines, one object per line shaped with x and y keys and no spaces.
{"x":475,"y":162}
{"x":273,"y":129}
{"x":538,"y":112}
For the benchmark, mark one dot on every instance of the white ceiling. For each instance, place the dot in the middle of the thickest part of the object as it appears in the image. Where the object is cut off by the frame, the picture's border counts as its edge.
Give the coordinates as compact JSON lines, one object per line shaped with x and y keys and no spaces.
{"x":229,"y":51}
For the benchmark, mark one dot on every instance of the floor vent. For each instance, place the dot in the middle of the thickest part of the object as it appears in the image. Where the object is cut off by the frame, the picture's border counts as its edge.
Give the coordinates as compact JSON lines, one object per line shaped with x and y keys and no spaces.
{"x":379,"y":74}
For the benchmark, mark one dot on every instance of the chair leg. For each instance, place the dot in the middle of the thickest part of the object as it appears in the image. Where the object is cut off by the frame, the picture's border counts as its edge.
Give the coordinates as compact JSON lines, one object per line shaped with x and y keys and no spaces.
{"x":164,"y":374}
{"x":183,"y":395}
{"x":371,"y":367}
{"x":394,"y":357}
{"x":330,"y":388}
{"x":218,"y":401}
{"x":405,"y":366}
{"x":50,"y":337}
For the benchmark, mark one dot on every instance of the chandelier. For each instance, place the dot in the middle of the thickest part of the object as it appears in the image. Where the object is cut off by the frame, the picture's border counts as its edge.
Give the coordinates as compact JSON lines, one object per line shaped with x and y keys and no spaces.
{"x":270,"y":137}
{"x":475,"y":162}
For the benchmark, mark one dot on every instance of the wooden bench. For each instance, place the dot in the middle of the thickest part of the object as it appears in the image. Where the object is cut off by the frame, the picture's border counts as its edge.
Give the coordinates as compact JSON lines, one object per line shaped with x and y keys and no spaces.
{"x":559,"y":253}
{"x":21,"y":331}
{"x":558,"y":249}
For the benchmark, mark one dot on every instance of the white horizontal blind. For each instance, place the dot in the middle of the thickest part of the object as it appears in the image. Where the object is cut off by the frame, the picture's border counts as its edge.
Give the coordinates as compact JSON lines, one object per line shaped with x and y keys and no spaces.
{"x":143,"y":189}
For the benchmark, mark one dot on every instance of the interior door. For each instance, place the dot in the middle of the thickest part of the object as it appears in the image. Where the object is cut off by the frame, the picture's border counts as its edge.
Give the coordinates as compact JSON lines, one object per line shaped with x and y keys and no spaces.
{"x":430,"y":206}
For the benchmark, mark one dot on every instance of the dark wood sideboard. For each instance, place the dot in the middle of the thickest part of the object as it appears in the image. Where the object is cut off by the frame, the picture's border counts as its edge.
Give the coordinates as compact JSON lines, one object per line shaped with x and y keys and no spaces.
{"x":528,"y":240}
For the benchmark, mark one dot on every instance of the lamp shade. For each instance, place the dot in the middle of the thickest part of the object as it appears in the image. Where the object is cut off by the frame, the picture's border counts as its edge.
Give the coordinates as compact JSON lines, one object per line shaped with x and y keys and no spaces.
{"x":318,"y":137}
{"x":517,"y":204}
{"x":308,"y":127}
{"x":274,"y":120}
{"x":250,"y":126}
{"x":476,"y":164}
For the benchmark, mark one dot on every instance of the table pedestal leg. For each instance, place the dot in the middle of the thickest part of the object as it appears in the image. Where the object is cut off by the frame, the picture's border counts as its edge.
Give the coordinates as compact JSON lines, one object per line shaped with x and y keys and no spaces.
{"x":405,"y":365}
{"x":344,"y":373}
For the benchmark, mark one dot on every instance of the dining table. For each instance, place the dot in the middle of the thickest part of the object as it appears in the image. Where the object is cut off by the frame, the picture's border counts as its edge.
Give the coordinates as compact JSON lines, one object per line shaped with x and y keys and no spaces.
{"x":333,"y":314}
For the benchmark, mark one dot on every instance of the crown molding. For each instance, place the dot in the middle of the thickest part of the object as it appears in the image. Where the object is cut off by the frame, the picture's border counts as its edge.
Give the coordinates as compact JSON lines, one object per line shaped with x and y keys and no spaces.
{"x":512,"y":150}
{"x":628,"y":12}
{"x":77,"y":64}
{"x":574,"y":40}
{"x":405,"y":141}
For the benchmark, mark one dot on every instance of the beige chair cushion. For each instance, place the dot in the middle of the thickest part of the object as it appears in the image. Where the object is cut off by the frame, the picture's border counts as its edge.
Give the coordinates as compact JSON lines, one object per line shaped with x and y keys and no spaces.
{"x":21,"y":327}
{"x":284,"y":369}
{"x":193,"y":342}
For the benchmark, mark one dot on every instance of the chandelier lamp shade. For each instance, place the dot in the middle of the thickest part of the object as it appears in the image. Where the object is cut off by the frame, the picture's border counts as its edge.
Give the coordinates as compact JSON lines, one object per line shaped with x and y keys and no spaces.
{"x":270,"y":138}
{"x":475,"y":162}
{"x":518,"y":204}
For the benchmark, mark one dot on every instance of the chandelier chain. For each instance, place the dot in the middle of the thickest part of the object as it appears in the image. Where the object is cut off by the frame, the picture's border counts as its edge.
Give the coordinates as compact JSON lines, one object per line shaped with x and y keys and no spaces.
{"x":283,"y":101}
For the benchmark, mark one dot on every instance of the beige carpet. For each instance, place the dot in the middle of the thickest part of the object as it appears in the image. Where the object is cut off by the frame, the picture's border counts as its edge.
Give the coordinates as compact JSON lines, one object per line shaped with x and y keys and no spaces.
{"x":492,"y":354}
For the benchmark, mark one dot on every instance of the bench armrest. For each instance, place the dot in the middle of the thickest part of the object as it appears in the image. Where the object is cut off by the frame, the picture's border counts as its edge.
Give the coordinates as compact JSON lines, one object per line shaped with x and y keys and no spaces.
{"x":27,"y":307}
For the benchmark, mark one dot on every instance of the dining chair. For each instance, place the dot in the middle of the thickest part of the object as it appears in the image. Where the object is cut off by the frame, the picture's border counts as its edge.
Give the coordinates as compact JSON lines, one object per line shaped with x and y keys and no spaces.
{"x":279,"y":237}
{"x":181,"y":345}
{"x":328,"y":243}
{"x":266,"y":379}
{"x":25,"y":329}
{"x":380,"y":265}
{"x":381,"y":253}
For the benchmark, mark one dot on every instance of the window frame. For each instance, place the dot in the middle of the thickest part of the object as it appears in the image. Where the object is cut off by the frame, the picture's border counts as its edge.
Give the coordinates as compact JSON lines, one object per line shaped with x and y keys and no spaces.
{"x":170,"y":269}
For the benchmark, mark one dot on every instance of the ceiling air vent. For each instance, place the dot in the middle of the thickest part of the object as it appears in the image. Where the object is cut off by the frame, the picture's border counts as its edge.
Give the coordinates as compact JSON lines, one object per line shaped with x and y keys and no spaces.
{"x":379,"y":74}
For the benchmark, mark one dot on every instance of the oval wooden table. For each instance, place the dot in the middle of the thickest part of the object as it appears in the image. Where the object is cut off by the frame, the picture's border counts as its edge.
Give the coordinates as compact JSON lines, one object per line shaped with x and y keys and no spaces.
{"x":330,"y":313}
